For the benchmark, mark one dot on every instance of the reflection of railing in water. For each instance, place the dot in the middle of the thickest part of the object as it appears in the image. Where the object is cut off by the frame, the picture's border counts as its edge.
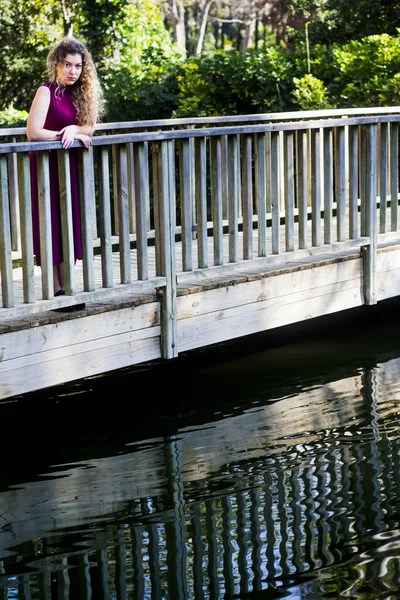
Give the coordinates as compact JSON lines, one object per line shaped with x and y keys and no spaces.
{"x":229,"y":178}
{"x":260,"y":523}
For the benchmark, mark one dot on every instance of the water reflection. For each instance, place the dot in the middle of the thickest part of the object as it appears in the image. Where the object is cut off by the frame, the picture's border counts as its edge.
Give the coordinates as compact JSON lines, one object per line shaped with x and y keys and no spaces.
{"x":272,"y":474}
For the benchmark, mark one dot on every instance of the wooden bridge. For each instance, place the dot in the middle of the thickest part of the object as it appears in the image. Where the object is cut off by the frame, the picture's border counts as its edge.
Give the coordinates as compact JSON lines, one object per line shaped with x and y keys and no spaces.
{"x":196,"y":231}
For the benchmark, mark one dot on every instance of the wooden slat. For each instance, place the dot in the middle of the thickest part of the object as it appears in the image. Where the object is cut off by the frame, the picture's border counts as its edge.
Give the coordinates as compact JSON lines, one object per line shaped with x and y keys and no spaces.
{"x":394,"y":176}
{"x":383,"y":169}
{"x":233,"y":197}
{"x":123,"y":213}
{"x":261,"y":192}
{"x":105,"y":218}
{"x":302,"y":186}
{"x":131,"y":188}
{"x":64,"y":179}
{"x":14,"y":203}
{"x":25,"y":211}
{"x":86,"y":201}
{"x":354,"y":193}
{"x":216,"y":199}
{"x":5,"y":238}
{"x":142,"y":193}
{"x":315,"y":187}
{"x":340,"y":182}
{"x":275,"y":219}
{"x":328,"y":184}
{"x":45,"y":224}
{"x":185,"y":173}
{"x":201,"y":200}
{"x":247,"y":197}
{"x":288,"y":149}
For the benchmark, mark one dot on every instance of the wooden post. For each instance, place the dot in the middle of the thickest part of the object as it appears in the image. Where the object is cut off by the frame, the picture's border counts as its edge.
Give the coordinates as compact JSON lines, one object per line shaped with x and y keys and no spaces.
{"x":368,"y":202}
{"x":166,"y":197}
{"x":5,"y":239}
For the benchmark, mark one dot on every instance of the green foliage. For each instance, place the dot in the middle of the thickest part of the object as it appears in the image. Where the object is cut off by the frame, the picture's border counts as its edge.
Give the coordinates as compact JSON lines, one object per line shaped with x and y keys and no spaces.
{"x":235,"y":83}
{"x":367,"y":72}
{"x":27,"y":28}
{"x":310,"y":93}
{"x":13,"y":118}
{"x":342,"y":21}
{"x":138,"y":73}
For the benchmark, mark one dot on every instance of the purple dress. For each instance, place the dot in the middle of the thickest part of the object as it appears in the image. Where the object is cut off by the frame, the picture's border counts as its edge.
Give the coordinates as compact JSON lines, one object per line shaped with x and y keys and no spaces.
{"x":60,"y":114}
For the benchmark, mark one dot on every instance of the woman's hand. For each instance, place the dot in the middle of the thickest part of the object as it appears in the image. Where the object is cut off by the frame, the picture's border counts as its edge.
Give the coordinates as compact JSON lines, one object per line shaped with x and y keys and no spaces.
{"x":71,"y":133}
{"x":68,"y":135}
{"x":85,"y":139}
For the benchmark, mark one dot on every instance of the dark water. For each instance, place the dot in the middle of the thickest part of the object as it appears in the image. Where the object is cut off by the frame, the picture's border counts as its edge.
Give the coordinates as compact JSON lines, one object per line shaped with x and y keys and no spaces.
{"x":265,"y":468}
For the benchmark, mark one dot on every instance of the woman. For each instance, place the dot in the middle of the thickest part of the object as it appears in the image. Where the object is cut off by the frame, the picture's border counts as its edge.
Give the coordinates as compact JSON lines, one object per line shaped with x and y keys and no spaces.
{"x":67,"y":109}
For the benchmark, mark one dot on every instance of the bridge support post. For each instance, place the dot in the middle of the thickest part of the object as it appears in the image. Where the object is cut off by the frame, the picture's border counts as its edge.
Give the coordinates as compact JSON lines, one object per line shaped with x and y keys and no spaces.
{"x":164,"y":208}
{"x":368,"y":210}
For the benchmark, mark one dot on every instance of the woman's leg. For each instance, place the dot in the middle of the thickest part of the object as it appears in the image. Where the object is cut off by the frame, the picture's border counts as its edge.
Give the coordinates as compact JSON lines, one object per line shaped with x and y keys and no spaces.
{"x":58,"y":278}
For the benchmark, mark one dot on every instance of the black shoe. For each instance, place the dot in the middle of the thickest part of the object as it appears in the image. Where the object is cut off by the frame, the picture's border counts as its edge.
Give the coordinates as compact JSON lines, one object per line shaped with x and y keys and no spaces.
{"x":60,"y":293}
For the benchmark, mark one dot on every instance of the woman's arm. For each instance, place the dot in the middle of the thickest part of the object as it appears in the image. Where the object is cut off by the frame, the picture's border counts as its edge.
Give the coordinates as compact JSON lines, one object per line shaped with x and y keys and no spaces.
{"x":37,"y":117}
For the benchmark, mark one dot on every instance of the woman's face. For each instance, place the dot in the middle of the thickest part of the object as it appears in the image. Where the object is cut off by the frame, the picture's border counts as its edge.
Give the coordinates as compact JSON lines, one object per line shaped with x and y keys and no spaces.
{"x":70,"y":69}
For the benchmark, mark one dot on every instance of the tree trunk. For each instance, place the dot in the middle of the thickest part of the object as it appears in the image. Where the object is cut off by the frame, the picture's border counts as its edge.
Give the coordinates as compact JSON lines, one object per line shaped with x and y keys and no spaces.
{"x":249,"y":29}
{"x":178,"y":22}
{"x":205,"y":9}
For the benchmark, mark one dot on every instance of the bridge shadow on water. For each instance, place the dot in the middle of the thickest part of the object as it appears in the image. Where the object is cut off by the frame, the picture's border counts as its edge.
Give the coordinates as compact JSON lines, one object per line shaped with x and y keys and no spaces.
{"x":267,"y":467}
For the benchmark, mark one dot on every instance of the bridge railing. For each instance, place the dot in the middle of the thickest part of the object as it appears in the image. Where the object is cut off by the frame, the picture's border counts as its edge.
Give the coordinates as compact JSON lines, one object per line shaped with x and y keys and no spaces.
{"x":201,"y":194}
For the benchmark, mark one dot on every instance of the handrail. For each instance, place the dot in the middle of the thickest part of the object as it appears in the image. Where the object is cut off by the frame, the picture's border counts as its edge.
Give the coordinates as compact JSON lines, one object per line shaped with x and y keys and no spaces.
{"x":251,"y":118}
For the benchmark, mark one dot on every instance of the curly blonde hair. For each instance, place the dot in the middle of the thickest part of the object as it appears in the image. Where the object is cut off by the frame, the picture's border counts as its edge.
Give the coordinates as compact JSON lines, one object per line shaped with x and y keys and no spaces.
{"x":86,"y":92}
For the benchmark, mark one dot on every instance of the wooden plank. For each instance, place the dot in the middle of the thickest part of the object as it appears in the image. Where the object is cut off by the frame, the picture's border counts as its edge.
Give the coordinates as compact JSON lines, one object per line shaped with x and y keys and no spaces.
{"x":27,"y":345}
{"x":45,"y":224}
{"x":86,"y":205}
{"x":25,"y":211}
{"x":123,"y":213}
{"x":340,"y":182}
{"x":261,"y":193}
{"x":354,"y":193}
{"x":185,"y":174}
{"x":315,"y":187}
{"x":394,"y":176}
{"x":259,"y":316}
{"x":131,"y":188}
{"x":302,"y":186}
{"x":276,"y":288}
{"x":64,"y":181}
{"x":105,"y":218}
{"x":201,"y":201}
{"x":5,"y":238}
{"x":288,"y":161}
{"x":76,"y":365}
{"x":14,"y":201}
{"x":216,"y":199}
{"x":383,"y":169}
{"x":142,"y":195}
{"x":247,"y":197}
{"x":275,"y":218}
{"x":328,"y":184}
{"x":233,"y":197}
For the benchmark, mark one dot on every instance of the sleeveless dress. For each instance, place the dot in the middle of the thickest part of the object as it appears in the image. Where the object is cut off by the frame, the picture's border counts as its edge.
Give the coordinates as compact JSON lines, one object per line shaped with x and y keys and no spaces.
{"x":61,"y":113}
